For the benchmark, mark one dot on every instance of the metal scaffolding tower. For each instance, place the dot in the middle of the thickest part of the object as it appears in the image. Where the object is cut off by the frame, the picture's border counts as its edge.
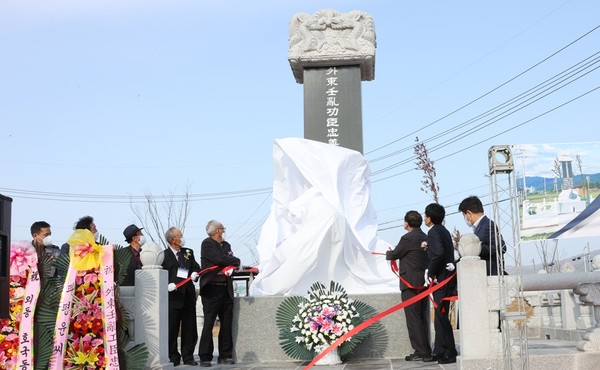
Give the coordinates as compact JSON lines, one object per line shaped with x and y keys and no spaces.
{"x":505,"y":213}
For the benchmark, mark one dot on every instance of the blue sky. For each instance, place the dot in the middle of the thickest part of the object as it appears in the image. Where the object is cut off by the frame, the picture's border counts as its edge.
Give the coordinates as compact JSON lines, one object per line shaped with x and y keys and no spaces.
{"x":125,"y":98}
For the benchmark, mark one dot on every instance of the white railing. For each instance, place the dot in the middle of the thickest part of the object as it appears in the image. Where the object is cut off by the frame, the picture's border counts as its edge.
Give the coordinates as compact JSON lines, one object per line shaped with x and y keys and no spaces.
{"x":562,"y":306}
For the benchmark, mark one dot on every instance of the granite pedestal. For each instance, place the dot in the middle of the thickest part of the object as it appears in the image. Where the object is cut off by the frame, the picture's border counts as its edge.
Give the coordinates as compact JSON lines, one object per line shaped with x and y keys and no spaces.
{"x":256,"y":336}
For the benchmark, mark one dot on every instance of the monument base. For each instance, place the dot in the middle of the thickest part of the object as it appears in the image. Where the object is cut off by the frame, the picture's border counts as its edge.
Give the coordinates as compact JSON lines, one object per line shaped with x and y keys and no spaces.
{"x":256,"y":336}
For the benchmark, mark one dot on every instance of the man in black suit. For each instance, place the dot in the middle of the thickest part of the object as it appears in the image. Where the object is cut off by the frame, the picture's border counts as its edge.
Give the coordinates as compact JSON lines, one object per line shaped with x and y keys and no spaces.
{"x":181,"y":264}
{"x":216,"y":291}
{"x":413,"y":262}
{"x":487,"y":232}
{"x":440,"y":250}
{"x":134,"y":236}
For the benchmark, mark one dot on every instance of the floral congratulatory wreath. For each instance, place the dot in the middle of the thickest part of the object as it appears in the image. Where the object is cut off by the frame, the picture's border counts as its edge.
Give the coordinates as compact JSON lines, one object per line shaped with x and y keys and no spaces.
{"x":15,"y":331}
{"x":308,"y":325}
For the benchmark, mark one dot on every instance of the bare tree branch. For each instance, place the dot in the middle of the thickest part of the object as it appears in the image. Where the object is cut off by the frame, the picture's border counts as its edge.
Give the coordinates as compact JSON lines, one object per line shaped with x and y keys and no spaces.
{"x":425,"y":164}
{"x":158,"y":215}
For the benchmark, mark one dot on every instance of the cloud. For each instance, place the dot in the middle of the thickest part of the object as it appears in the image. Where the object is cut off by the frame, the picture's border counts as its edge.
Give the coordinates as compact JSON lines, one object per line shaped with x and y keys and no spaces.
{"x":538,"y":159}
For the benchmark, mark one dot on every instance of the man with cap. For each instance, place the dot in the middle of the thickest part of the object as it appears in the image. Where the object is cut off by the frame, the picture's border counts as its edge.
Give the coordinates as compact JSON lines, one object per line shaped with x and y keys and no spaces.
{"x":133,"y":235}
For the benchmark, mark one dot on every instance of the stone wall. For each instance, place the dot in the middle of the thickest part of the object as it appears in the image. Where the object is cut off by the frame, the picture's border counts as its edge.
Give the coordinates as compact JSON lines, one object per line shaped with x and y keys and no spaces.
{"x":256,"y":336}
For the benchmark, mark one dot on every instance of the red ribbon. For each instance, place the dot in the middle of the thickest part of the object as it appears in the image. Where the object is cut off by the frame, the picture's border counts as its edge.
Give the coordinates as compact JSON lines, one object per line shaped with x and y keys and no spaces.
{"x":376,"y":318}
{"x":223,"y":271}
{"x":180,"y":284}
{"x":396,"y":271}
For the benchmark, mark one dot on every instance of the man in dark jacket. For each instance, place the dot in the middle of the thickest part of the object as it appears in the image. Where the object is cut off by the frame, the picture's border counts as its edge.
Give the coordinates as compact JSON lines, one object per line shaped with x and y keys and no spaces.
{"x":492,"y":244}
{"x":42,"y":241}
{"x":216,"y":291}
{"x":413,"y":262}
{"x":134,"y":236}
{"x":440,"y":250}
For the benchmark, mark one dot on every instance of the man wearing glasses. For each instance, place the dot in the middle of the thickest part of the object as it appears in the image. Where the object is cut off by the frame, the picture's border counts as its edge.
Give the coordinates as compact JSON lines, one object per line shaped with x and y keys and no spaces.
{"x":216,"y":291}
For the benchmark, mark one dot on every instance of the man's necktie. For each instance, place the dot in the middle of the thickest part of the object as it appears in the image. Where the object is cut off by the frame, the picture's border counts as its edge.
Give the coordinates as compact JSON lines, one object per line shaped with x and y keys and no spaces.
{"x":137,"y":258}
{"x":180,"y":257}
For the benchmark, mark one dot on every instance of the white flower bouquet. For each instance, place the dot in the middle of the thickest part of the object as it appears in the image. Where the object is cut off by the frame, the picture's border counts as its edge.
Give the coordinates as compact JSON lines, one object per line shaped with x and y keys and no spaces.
{"x":308,"y":325}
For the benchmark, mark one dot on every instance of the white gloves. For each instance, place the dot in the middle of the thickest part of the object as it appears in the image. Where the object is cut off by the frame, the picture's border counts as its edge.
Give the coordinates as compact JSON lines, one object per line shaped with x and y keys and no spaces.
{"x":194,"y":276}
{"x":172,"y":287}
{"x":429,"y":281}
{"x":427,"y":278}
{"x":450,"y":266}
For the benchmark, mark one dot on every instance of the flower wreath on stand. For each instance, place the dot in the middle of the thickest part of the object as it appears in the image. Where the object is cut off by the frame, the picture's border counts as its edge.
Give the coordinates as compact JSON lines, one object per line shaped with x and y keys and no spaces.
{"x":16,"y":331}
{"x":308,"y":325}
{"x":91,"y":326}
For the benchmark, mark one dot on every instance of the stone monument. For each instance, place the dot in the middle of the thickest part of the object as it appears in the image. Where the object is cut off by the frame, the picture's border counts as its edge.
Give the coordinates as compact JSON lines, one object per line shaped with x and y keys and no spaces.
{"x":331,"y":53}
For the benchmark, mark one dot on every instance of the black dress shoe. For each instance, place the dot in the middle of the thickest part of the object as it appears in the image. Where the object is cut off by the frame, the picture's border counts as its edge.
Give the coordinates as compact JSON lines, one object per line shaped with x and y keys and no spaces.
{"x":447,"y":360}
{"x":432,"y":358}
{"x":413,"y":357}
{"x":191,"y":363}
{"x":225,"y":361}
{"x":205,"y":364}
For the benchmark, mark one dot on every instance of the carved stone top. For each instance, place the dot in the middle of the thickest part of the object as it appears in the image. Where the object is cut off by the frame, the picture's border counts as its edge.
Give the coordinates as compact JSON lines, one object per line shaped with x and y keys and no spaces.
{"x":152,"y":256}
{"x":332,"y":39}
{"x":469,"y":246}
{"x":588,"y":293}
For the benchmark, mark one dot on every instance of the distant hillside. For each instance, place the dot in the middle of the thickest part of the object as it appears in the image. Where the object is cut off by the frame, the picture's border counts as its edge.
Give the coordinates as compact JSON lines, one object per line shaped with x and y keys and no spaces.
{"x":538,"y":182}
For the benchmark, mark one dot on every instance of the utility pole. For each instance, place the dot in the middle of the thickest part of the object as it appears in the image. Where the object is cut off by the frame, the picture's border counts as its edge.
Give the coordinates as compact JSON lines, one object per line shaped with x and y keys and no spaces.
{"x":522,"y":157}
{"x":523,"y":169}
{"x":505,"y":210}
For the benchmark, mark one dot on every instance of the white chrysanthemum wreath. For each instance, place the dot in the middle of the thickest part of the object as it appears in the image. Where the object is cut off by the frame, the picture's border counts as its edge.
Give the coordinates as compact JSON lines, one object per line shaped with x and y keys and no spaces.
{"x":308,"y":325}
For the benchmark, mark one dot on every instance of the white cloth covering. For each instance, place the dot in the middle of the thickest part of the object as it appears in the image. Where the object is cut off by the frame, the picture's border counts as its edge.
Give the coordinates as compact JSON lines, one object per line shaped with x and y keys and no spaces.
{"x":322,"y":225}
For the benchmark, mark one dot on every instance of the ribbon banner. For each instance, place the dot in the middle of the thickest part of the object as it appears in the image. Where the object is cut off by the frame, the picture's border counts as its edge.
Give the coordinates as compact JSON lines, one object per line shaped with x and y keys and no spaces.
{"x":65,"y":315}
{"x":108,"y":306}
{"x":63,"y":318}
{"x":25,"y":355}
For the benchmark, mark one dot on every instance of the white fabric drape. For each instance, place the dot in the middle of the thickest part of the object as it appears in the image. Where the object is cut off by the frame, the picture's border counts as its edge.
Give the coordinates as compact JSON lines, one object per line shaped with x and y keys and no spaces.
{"x":322,"y":225}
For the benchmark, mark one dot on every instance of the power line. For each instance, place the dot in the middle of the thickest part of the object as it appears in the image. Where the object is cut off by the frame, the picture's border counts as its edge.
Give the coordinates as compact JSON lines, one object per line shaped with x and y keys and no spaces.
{"x":253,"y":213}
{"x":557,"y":82}
{"x":511,"y":104}
{"x":116,"y":199}
{"x":487,"y":93}
{"x":486,"y":139}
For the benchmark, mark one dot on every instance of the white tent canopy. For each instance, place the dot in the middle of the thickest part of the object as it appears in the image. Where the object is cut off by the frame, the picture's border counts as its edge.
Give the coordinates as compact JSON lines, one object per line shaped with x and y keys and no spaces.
{"x":585,"y":225}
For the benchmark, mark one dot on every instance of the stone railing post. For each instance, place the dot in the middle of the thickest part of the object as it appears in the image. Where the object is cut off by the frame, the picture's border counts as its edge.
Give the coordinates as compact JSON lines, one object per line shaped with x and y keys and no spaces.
{"x":473,"y":306}
{"x":589,"y":294}
{"x":568,"y":309}
{"x":152,"y":307}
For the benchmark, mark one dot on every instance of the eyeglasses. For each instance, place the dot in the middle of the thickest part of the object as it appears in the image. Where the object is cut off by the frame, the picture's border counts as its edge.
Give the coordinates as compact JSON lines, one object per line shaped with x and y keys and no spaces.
{"x":222,"y":228}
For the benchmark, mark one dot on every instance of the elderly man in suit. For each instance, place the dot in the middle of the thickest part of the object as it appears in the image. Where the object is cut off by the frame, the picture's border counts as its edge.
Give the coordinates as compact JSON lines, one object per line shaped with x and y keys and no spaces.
{"x":216,"y":291}
{"x":181,"y":264}
{"x":413,"y":262}
{"x":487,"y":232}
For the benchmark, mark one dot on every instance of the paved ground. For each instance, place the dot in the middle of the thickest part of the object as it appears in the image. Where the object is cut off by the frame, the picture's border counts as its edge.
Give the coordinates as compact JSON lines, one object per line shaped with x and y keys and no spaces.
{"x":538,"y":348}
{"x":387,"y":364}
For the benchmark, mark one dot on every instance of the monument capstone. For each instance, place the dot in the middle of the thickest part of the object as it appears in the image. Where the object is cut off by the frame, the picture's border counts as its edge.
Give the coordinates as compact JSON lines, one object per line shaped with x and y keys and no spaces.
{"x":331,"y":53}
